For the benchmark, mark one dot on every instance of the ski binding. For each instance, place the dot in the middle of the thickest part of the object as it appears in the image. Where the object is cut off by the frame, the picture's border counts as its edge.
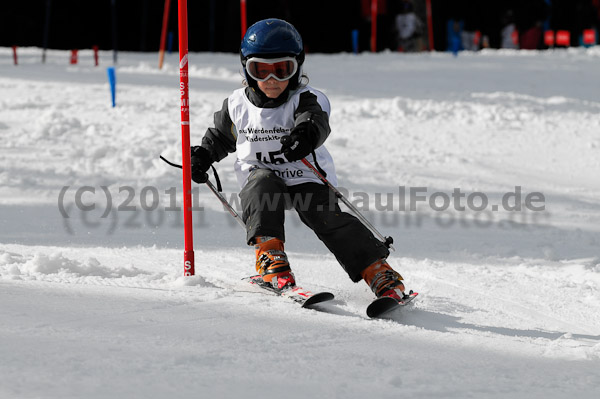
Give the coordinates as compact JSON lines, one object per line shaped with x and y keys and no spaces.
{"x":297,"y":294}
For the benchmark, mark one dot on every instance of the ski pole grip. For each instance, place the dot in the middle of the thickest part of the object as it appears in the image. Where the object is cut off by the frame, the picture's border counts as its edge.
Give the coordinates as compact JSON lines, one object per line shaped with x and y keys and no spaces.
{"x":388,"y":242}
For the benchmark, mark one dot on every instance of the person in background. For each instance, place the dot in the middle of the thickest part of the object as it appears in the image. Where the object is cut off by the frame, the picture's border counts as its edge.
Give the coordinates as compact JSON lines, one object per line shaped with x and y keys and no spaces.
{"x":508,"y":31}
{"x":529,"y":20}
{"x":471,"y":12}
{"x":409,"y":28}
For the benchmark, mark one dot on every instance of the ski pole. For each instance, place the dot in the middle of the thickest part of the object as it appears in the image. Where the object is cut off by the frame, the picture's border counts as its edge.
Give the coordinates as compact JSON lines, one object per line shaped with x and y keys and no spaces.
{"x":216,"y":192}
{"x":226,"y":205}
{"x":387,"y":241}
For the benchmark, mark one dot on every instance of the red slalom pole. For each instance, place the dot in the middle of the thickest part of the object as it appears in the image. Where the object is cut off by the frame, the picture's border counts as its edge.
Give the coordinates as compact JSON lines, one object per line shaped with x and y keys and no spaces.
{"x":373,"y":26}
{"x":15,"y":59}
{"x":430,"y":25}
{"x":74,"y":56}
{"x":95,"y":48}
{"x":243,"y":17}
{"x":163,"y":34}
{"x":188,"y":255}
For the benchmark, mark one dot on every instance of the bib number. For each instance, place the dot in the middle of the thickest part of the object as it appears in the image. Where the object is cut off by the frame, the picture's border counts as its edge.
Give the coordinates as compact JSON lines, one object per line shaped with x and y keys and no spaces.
{"x":275,"y":157}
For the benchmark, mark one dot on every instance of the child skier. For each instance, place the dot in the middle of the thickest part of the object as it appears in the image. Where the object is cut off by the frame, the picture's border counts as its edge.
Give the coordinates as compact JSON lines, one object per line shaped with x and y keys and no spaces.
{"x":272,"y":124}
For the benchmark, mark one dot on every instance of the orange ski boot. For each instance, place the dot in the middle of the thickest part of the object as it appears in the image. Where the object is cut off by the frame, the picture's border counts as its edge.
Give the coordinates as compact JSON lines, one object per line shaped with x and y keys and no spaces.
{"x":272,"y":263}
{"x":383,"y":280}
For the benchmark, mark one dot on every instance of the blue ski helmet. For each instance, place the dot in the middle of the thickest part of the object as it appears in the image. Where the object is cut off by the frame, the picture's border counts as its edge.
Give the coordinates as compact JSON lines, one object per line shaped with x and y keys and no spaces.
{"x":272,"y":38}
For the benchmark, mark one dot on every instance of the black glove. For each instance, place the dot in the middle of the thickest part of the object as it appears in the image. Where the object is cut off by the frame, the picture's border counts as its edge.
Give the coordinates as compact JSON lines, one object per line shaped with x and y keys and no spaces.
{"x":201,"y":162}
{"x":299,"y":143}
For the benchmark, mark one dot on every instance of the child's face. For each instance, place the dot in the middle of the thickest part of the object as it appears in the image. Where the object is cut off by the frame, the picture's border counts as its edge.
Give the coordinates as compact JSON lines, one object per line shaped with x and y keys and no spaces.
{"x":272,"y":87}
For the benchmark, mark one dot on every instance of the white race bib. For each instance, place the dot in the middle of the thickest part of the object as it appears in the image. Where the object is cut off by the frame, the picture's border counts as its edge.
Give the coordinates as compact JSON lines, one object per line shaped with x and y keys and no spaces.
{"x":259,"y":131}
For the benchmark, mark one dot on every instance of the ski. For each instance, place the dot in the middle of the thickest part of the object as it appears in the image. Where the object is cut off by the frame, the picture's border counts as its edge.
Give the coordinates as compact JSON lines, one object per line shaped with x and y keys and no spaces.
{"x":381,"y":306}
{"x":297,"y":294}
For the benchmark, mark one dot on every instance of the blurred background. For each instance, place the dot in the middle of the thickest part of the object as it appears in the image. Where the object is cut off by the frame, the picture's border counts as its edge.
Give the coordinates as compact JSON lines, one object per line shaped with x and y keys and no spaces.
{"x":326,"y":25}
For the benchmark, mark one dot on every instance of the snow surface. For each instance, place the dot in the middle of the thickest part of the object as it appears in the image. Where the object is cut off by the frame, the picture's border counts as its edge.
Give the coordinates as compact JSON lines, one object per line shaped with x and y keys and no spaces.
{"x":95,"y":305}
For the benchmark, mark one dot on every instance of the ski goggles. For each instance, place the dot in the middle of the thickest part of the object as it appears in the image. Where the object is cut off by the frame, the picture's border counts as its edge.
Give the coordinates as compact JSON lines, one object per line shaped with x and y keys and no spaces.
{"x":262,"y":69}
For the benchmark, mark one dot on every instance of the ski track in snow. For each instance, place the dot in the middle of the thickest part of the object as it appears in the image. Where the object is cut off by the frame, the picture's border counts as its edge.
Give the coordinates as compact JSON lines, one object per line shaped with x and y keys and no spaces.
{"x":94,"y":305}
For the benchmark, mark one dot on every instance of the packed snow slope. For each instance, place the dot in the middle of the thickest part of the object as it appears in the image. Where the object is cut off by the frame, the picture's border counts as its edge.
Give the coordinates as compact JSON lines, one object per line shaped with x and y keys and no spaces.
{"x":500,"y":150}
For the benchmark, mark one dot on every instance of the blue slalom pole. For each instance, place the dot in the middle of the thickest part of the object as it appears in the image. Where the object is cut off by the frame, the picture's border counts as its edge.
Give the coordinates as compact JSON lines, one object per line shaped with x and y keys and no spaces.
{"x":112,"y":80}
{"x":170,"y":42}
{"x":355,"y":41}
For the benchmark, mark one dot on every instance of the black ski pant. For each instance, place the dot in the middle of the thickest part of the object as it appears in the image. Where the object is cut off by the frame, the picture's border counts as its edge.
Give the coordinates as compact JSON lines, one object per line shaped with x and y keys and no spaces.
{"x":265,"y":197}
